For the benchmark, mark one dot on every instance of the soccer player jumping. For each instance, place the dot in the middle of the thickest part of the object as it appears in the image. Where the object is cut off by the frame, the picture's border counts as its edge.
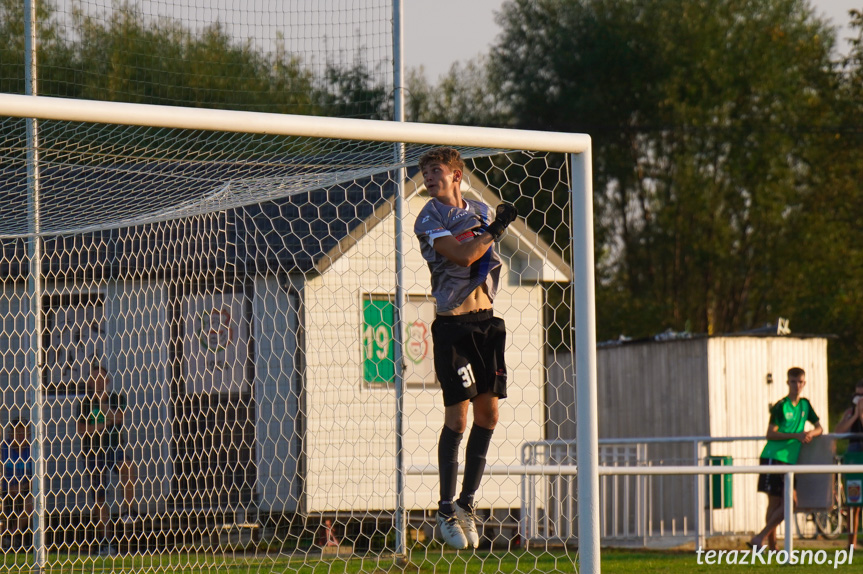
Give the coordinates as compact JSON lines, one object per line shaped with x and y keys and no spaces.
{"x":457,"y":238}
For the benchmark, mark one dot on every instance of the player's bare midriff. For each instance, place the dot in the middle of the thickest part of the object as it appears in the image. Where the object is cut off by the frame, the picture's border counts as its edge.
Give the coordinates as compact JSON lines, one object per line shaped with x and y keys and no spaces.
{"x":478,"y":300}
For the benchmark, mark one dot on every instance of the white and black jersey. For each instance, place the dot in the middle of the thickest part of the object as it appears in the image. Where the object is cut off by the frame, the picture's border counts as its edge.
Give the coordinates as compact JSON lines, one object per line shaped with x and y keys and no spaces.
{"x":452,"y":283}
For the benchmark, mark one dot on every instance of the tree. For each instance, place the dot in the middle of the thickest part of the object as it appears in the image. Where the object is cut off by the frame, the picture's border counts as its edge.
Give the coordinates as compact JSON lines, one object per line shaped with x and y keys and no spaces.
{"x":123,"y":55}
{"x":354,"y":93}
{"x":52,"y":49}
{"x":696,"y":111}
{"x":828,"y":259}
{"x":467,"y":95}
{"x":126,"y":57}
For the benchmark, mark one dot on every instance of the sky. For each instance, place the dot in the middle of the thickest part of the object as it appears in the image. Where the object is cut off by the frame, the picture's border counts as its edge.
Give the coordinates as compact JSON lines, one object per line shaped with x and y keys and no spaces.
{"x":441,"y":32}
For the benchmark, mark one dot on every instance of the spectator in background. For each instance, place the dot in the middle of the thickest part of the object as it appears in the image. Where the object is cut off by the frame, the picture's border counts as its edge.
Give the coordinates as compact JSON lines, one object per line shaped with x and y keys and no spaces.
{"x":852,"y":422}
{"x":103,"y":444}
{"x":17,"y":474}
{"x":785,"y":436}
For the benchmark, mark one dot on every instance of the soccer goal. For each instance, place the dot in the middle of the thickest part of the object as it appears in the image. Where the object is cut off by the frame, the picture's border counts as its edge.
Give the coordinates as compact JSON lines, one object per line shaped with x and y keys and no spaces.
{"x":246,"y":291}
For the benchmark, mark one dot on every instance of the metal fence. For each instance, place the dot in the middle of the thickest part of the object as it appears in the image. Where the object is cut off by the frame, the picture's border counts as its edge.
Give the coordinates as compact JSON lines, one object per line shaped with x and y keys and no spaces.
{"x":667,"y":491}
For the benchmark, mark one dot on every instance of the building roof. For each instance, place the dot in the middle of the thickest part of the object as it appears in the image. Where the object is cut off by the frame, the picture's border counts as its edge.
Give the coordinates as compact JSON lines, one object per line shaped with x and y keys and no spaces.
{"x":670,"y":336}
{"x":305,"y":231}
{"x":290,"y":234}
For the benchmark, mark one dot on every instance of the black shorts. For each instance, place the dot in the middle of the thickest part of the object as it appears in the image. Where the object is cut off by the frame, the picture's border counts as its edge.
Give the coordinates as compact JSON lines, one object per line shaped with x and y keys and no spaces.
{"x":100,"y":465}
{"x":468,"y":355}
{"x":773,"y":484}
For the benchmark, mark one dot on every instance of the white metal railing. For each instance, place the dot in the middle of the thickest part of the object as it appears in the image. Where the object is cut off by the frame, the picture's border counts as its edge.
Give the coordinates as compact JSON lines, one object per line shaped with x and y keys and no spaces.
{"x":553,"y":463}
{"x":542,"y":526}
{"x":556,"y":516}
{"x":627,"y":507}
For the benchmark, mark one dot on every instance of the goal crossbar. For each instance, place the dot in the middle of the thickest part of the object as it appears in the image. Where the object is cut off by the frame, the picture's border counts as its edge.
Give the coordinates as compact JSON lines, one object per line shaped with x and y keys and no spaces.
{"x":149,"y":115}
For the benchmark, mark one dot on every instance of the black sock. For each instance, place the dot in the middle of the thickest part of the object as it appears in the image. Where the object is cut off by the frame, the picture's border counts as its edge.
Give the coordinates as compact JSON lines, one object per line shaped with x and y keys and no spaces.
{"x":474,"y":464}
{"x":447,"y":460}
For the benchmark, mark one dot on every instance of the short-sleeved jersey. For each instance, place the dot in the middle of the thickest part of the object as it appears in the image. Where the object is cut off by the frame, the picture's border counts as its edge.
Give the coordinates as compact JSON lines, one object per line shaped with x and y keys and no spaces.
{"x":452,"y":283}
{"x":90,"y":409}
{"x":788,"y":418}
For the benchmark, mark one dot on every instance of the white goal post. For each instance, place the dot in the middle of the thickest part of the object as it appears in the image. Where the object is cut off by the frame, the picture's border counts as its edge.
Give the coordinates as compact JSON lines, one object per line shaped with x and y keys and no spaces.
{"x":121,"y":113}
{"x":205,"y":229}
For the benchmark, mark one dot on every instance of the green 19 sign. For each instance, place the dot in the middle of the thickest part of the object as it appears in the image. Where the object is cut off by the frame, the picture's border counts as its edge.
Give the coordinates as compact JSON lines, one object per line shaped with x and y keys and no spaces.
{"x":378,"y":348}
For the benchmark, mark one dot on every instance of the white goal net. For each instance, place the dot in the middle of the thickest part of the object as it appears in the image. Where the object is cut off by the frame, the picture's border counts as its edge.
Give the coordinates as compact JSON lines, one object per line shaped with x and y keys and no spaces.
{"x":236,"y":295}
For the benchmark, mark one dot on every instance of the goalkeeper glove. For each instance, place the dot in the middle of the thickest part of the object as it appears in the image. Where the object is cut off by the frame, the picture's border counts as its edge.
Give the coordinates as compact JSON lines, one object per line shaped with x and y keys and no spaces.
{"x":506,"y":214}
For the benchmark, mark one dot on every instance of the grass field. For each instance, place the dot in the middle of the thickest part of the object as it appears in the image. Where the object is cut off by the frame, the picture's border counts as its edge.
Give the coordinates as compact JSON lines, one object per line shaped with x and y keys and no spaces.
{"x":613,"y":561}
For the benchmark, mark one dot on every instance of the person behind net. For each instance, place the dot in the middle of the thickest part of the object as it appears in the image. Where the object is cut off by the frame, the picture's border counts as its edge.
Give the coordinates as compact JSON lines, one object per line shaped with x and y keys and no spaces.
{"x":457,"y":239}
{"x":17,"y":476}
{"x":785,"y":437}
{"x":103,"y":444}
{"x":852,"y":422}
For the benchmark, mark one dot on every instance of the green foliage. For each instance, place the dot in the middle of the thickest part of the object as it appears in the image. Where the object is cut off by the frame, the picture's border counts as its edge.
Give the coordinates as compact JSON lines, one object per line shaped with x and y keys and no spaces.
{"x":828,"y":277}
{"x":700,"y":113}
{"x":696,"y":111}
{"x":467,"y":95}
{"x":125,"y":56}
{"x":53,"y":51}
{"x":353,"y":93}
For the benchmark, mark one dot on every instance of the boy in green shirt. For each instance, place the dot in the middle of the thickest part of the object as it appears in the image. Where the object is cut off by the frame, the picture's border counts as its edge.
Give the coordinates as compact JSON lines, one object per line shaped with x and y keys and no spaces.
{"x":785,"y":436}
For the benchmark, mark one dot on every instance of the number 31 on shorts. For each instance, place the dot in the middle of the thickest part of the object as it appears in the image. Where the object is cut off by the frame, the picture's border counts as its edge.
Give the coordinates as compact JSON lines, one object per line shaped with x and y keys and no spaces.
{"x":466,"y":373}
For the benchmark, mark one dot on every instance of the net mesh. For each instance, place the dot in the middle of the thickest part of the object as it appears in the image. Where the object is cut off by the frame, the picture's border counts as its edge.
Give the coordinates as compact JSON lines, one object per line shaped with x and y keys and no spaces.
{"x":95,"y":177}
{"x":302,"y":57}
{"x":234,"y":293}
{"x":239,"y":291}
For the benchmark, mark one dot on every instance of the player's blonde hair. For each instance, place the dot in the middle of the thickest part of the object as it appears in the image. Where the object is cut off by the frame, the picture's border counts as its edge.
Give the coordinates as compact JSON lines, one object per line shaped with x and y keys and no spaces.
{"x":447,"y":156}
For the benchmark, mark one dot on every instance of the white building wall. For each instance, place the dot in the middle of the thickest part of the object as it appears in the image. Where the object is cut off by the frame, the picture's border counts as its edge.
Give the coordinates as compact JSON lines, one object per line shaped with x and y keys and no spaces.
{"x":740,"y":400}
{"x":653,"y":389}
{"x":350,"y":435}
{"x":656,"y":390}
{"x":424,"y":412}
